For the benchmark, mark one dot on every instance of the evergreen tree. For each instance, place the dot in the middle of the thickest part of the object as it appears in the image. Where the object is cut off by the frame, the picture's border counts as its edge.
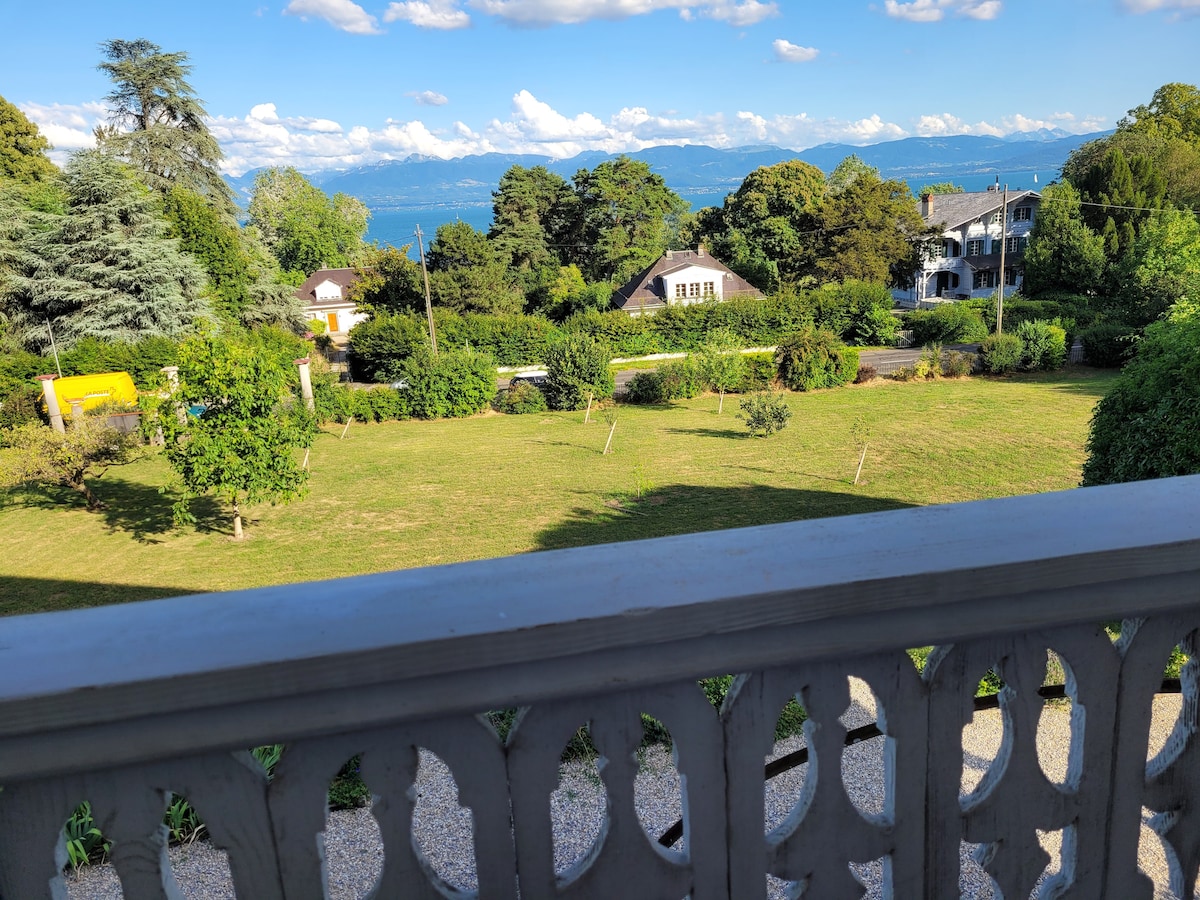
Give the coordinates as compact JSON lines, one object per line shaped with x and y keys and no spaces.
{"x":1063,"y":253}
{"x":157,"y":121}
{"x":104,"y":268}
{"x":529,"y":213}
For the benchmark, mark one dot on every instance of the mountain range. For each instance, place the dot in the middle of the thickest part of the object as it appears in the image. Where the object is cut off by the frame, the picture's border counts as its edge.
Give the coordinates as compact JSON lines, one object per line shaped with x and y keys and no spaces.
{"x":695,"y":171}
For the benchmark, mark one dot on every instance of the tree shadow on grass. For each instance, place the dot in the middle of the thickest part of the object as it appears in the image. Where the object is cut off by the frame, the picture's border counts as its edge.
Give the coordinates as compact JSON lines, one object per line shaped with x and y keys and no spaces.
{"x":21,"y":596}
{"x":131,"y":506}
{"x":687,"y":509}
{"x":147,"y":514}
{"x":734,"y":433}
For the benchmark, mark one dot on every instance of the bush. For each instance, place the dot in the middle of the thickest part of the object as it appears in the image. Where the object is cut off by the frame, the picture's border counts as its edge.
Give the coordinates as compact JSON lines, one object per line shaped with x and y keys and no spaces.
{"x":1001,"y":353}
{"x":624,"y":334}
{"x":857,"y":311}
{"x":577,"y":367}
{"x":813,"y":359}
{"x":1148,"y":425}
{"x":520,"y":398}
{"x":676,"y":380}
{"x":456,"y":383}
{"x":22,"y":405}
{"x":866,"y":372}
{"x":958,"y":364}
{"x":1045,"y":346}
{"x":380,"y":346}
{"x":1107,"y":345}
{"x":949,"y":323}
{"x":759,"y":374}
{"x":765,"y":412}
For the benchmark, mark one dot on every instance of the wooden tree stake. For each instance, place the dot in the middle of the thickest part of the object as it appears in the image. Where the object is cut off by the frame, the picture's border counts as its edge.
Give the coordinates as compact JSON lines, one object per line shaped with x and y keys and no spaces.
{"x":347,"y":428}
{"x":588,"y":414}
{"x":608,"y":443}
{"x":307,"y":450}
{"x":861,"y":460}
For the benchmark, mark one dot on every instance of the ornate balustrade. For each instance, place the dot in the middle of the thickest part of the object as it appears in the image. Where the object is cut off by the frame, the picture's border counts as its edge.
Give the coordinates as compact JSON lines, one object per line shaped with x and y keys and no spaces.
{"x":123,"y":705}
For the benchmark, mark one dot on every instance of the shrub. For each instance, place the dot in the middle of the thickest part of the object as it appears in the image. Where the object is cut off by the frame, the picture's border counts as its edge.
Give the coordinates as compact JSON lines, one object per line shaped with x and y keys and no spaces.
{"x":521,"y":397}
{"x":759,"y":374}
{"x":949,"y":323}
{"x":1045,"y":347}
{"x":1148,"y":425}
{"x":624,"y":334}
{"x":645,"y":387}
{"x":681,"y":379}
{"x":765,"y":412}
{"x":866,"y":372}
{"x":1107,"y":345}
{"x":22,"y":405}
{"x":380,"y":346}
{"x":813,"y":359}
{"x":958,"y":364}
{"x":1001,"y":353}
{"x":456,"y":383}
{"x":577,"y":367}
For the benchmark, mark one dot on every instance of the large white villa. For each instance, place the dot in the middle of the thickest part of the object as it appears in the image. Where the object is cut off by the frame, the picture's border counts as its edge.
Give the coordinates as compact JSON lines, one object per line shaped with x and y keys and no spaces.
{"x":967,"y":261}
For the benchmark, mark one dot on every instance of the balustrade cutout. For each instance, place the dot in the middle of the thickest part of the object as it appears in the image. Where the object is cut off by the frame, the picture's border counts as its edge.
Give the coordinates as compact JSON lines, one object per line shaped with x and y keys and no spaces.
{"x":443,"y":828}
{"x":579,"y":804}
{"x":657,"y":789}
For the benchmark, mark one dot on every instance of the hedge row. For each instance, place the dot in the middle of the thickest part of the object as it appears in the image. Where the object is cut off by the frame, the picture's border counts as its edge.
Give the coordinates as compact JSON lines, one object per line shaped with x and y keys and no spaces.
{"x":856,"y":312}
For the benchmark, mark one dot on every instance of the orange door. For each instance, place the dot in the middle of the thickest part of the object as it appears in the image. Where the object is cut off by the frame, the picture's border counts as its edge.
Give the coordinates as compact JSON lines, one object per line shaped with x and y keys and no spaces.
{"x":332,"y":318}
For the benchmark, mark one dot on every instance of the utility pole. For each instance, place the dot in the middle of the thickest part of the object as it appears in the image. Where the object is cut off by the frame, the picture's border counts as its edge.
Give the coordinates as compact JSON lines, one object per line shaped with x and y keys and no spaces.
{"x":428,"y":306}
{"x":1003,"y":241}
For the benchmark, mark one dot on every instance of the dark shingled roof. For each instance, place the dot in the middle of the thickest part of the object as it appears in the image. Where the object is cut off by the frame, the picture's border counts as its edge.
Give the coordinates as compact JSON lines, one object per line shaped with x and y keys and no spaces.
{"x":952,"y":210}
{"x":644,"y":290}
{"x":307,"y":292}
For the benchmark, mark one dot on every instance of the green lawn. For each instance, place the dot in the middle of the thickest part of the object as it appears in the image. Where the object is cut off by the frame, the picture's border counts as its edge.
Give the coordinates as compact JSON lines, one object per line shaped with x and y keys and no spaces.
{"x":421,"y":493}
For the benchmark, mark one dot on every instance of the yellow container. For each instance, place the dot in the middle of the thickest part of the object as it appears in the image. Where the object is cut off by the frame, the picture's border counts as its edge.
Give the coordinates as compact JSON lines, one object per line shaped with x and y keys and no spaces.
{"x":94,"y":390}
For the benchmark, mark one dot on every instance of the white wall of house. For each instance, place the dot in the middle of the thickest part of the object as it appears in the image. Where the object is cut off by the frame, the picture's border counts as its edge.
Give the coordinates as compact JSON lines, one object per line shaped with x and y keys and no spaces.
{"x":328,"y":290}
{"x":693,"y":284}
{"x":336,"y":319}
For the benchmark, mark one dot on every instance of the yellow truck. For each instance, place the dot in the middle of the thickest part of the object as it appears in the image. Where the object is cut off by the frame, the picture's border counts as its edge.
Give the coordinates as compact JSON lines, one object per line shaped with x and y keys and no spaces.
{"x":94,"y":390}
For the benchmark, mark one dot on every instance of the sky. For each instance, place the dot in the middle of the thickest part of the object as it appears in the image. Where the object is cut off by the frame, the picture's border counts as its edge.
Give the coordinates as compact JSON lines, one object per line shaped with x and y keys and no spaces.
{"x":332,"y":84}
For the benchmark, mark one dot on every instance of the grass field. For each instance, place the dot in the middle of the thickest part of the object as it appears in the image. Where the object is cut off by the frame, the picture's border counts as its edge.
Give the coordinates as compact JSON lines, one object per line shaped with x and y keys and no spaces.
{"x":421,"y":493}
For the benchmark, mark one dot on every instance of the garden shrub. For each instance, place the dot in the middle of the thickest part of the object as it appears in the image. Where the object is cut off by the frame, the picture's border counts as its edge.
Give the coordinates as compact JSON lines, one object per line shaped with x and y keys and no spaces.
{"x":1045,"y":347}
{"x":858,"y":312}
{"x":21,"y":405}
{"x":1148,"y":425}
{"x":760,"y":372}
{"x":1001,"y":354}
{"x":577,"y":368}
{"x":765,"y":412}
{"x":381,"y":346}
{"x":520,"y":398}
{"x":1107,"y":345}
{"x":813,"y":359}
{"x":644,"y":388}
{"x":949,"y":323}
{"x":456,"y":383}
{"x":866,"y":372}
{"x":681,"y":379}
{"x":958,"y":364}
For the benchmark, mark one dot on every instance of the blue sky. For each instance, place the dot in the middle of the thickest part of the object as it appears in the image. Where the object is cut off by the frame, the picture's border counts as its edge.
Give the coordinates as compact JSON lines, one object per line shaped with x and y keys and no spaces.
{"x":335,"y":83}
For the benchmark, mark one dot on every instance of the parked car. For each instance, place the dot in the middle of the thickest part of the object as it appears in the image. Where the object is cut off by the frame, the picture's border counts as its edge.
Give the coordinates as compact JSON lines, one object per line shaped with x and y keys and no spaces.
{"x":537,"y":378}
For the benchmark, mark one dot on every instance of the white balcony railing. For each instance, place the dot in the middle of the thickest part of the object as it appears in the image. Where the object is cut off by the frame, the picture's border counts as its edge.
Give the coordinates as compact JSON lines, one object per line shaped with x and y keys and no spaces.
{"x":122,"y":705}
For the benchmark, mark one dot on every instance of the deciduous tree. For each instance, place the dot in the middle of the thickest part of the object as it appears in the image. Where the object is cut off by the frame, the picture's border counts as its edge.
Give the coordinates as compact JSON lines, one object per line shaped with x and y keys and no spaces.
{"x":23,"y":148}
{"x":243,"y":447}
{"x":1063,"y":253}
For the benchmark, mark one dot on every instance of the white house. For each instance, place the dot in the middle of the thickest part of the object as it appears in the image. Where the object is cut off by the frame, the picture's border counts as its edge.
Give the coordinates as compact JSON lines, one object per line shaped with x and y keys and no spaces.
{"x":967,"y":261}
{"x":324,"y":297}
{"x":681,"y":277}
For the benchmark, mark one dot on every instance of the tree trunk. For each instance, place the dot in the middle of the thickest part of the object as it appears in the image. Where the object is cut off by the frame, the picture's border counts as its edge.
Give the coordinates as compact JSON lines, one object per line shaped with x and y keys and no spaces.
{"x":237,"y":522}
{"x":93,"y":502}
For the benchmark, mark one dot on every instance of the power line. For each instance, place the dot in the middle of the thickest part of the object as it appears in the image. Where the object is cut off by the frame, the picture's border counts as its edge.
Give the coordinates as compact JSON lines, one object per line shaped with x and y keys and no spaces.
{"x":1159,"y":209}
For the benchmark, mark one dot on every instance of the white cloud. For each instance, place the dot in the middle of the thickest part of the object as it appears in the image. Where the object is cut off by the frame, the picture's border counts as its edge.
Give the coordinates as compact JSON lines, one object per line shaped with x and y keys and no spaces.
{"x":935,"y":10}
{"x":786,"y":51}
{"x":443,"y":15}
{"x":67,"y":127}
{"x":344,"y":15}
{"x":428,"y":98}
{"x":948,"y":124}
{"x":539,"y":13}
{"x":1176,"y":9}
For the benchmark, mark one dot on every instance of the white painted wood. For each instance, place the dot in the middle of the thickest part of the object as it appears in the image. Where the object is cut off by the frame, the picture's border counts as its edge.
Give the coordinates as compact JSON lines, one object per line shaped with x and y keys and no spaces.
{"x":94,"y":706}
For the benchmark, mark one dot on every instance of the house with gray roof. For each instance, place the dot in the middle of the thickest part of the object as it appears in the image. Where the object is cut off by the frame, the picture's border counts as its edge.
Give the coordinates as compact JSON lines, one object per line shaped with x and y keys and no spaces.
{"x":966,"y":262}
{"x":681,"y":277}
{"x":324,"y":295}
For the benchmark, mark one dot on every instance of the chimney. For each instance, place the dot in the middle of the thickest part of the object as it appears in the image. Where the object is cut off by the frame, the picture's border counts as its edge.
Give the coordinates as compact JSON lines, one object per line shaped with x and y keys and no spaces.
{"x":670,"y":254}
{"x":926,"y":205}
{"x":700,"y":250}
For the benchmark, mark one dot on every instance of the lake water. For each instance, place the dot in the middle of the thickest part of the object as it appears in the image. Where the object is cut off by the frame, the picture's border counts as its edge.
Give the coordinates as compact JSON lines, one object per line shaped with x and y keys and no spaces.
{"x":398,"y":227}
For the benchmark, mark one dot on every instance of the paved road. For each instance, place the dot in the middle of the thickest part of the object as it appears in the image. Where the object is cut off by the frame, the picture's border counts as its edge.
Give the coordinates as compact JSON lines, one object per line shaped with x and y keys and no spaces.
{"x":884,"y":361}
